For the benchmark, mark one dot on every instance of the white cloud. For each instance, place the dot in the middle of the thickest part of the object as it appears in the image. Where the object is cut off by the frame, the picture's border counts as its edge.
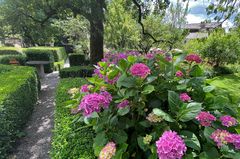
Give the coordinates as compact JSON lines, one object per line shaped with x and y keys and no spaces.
{"x":191,"y":18}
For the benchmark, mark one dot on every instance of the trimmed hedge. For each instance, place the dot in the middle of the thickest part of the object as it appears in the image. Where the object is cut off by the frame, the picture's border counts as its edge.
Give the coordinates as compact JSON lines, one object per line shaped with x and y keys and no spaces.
{"x":76,"y":59}
{"x":18,"y":95}
{"x":70,"y":140}
{"x":59,"y":53}
{"x":5,"y":59}
{"x":76,"y":71}
{"x":41,"y":55}
{"x":10,"y":51}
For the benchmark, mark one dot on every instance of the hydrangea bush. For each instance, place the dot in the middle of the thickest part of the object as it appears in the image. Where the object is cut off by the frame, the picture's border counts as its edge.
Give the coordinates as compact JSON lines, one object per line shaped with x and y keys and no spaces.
{"x":153,"y":106}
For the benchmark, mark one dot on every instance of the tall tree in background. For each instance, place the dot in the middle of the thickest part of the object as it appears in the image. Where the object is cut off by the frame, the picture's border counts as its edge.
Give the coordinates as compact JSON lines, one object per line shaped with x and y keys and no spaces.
{"x":121,"y":29}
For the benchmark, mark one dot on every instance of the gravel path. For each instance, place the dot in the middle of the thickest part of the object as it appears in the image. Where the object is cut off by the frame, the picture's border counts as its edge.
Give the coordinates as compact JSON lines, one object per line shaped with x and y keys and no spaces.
{"x":37,"y":142}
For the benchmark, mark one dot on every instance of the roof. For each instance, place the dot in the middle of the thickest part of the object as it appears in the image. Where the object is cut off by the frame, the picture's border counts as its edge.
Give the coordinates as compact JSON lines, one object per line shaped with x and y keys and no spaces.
{"x":197,"y":35}
{"x":202,"y":25}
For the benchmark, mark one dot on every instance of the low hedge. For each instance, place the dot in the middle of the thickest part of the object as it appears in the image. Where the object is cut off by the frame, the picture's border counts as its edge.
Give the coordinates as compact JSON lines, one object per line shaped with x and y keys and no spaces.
{"x":5,"y":59}
{"x":71,"y":140}
{"x":10,"y":51}
{"x":18,"y":95}
{"x":76,"y":59}
{"x":41,"y":55}
{"x":77,"y":71}
{"x":59,"y":53}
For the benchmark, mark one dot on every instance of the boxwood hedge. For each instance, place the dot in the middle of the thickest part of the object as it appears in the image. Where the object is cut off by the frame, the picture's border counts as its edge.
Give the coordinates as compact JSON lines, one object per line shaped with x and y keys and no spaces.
{"x":59,"y":53}
{"x":76,"y":71}
{"x":18,"y":95}
{"x":10,"y":51}
{"x":70,"y":140}
{"x":5,"y":59}
{"x":41,"y":55}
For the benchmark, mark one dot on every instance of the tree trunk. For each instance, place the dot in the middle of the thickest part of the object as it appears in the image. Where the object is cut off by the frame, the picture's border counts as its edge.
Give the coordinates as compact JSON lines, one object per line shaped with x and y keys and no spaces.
{"x":96,"y":31}
{"x":96,"y":41}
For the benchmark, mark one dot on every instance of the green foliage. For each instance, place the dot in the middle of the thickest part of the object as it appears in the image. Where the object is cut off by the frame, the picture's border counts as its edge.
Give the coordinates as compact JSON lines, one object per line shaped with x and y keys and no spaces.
{"x":7,"y":58}
{"x":221,"y":48}
{"x":194,"y":45}
{"x":76,"y":59}
{"x":76,"y":71}
{"x":155,"y":105}
{"x":75,"y":30}
{"x":121,"y":30}
{"x":41,"y":55}
{"x":10,"y":51}
{"x":71,"y":140}
{"x":18,"y":95}
{"x":59,"y":53}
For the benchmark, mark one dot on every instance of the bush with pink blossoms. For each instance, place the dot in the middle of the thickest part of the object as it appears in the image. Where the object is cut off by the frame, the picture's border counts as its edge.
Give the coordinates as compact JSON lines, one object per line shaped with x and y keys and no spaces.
{"x":148,"y":109}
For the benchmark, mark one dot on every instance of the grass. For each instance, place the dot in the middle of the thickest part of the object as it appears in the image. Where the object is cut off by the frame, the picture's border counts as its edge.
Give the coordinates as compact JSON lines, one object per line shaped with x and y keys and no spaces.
{"x":229,"y":83}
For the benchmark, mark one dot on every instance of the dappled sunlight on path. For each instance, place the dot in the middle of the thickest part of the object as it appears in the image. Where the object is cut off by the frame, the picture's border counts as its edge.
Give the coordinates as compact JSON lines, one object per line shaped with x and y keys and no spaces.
{"x":37,"y":142}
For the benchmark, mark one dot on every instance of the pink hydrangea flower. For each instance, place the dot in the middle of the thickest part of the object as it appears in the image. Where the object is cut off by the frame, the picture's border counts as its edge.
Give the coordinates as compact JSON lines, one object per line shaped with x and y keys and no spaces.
{"x":108,"y":98}
{"x":140,"y":70}
{"x":150,"y":55}
{"x":108,"y":151}
{"x":170,"y":146}
{"x":205,"y":118}
{"x":193,"y":58}
{"x":123,"y":104}
{"x":184,"y":97}
{"x":220,"y":137}
{"x":179,"y":74}
{"x":228,"y":121}
{"x":84,"y":88}
{"x":93,"y":103}
{"x":235,"y":140}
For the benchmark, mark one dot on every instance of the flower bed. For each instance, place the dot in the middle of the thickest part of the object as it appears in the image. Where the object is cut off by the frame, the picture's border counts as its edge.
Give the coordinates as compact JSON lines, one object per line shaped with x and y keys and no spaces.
{"x":18,"y":95}
{"x":71,"y":139}
{"x":156,"y":106}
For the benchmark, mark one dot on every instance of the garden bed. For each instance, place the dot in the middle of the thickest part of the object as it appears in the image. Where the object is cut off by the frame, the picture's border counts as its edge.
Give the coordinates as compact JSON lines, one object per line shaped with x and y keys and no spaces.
{"x":18,"y":95}
{"x":70,"y":140}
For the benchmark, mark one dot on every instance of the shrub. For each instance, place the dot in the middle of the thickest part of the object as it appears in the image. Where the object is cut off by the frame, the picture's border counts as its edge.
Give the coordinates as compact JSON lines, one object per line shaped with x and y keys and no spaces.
{"x":221,"y":48}
{"x":41,"y":55}
{"x":155,"y":106}
{"x":76,"y":71}
{"x":70,"y":140}
{"x":59,"y":53}
{"x":222,"y":70}
{"x":7,"y":58}
{"x":10,"y":51}
{"x":18,"y":95}
{"x":76,"y":59}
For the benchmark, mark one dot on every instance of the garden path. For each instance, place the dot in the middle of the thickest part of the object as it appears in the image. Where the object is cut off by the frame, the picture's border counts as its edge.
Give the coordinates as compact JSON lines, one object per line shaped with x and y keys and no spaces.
{"x":37,"y":142}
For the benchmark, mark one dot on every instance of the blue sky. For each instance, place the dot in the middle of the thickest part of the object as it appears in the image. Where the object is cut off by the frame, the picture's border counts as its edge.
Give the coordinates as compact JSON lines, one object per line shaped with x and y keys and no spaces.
{"x":197,"y":12}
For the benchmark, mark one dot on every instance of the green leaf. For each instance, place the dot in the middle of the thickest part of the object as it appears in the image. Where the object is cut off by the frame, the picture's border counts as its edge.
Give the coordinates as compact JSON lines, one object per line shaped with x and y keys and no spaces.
{"x":123,"y":65}
{"x":102,"y":64}
{"x":132,"y":59}
{"x":208,"y":89}
{"x":122,"y":148}
{"x":151,"y":79}
{"x":189,"y":112}
{"x":173,"y":101}
{"x":123,"y":111}
{"x":196,"y":71}
{"x":162,"y":114}
{"x":207,"y":133}
{"x":141,"y":144}
{"x":148,"y":89}
{"x":191,"y":140}
{"x":126,"y":81}
{"x":120,"y":137}
{"x":211,"y":153}
{"x":112,"y":74}
{"x":100,"y":139}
